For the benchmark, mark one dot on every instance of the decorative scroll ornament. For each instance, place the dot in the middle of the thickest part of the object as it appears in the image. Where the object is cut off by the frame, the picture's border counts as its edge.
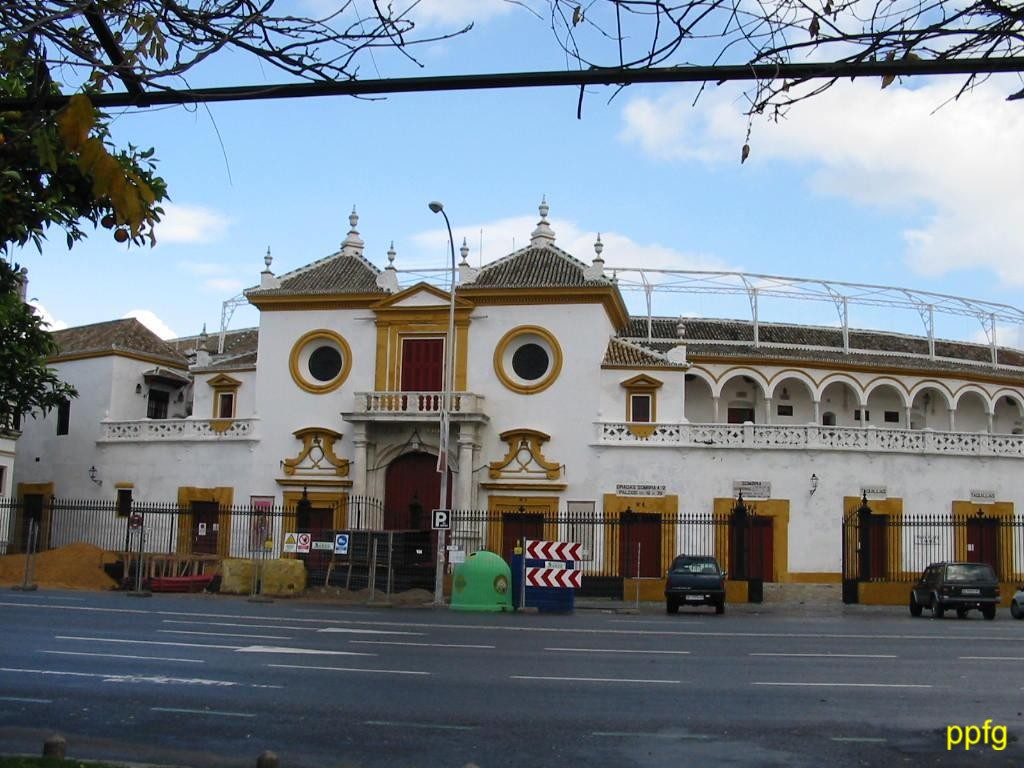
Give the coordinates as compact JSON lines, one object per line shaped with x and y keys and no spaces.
{"x":316,"y":458}
{"x":524,"y":460}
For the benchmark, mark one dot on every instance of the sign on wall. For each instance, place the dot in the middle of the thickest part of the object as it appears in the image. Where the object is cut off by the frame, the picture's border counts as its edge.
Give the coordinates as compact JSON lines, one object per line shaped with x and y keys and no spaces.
{"x":876,"y":492}
{"x":982,"y":497}
{"x":639,"y":489}
{"x":752,"y":489}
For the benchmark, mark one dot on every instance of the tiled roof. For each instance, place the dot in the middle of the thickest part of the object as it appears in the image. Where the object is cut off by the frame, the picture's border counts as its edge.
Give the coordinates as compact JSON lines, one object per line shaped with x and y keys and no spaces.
{"x":127,"y":335}
{"x":339,"y":273}
{"x":735,"y":338}
{"x":236,"y":342}
{"x":234,"y":363}
{"x":534,"y":267}
{"x":622,"y":352}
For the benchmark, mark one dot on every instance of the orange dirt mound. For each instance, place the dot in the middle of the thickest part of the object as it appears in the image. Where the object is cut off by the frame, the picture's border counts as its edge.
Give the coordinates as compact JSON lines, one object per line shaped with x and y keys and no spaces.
{"x":75,"y":566}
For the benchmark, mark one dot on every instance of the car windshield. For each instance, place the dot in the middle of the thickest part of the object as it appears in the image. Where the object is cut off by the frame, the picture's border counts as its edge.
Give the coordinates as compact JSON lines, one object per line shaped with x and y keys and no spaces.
{"x":689,"y":565}
{"x":970,"y":572}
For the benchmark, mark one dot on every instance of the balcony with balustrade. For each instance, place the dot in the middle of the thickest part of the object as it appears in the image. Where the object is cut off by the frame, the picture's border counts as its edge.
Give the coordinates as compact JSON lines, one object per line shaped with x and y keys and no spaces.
{"x":416,"y":407}
{"x":178,"y":430}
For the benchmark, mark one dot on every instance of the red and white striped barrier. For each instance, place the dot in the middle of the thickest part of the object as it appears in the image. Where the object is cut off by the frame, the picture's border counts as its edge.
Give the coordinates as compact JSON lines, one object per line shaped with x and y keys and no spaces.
{"x":554,"y":577}
{"x":553,"y":550}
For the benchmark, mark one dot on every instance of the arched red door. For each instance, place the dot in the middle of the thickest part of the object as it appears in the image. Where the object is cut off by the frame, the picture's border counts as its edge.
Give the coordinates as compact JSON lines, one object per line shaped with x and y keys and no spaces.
{"x":412,"y":487}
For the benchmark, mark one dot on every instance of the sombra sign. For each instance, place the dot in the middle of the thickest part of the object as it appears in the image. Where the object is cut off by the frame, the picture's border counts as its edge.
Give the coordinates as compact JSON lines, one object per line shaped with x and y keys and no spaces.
{"x":752,"y":489}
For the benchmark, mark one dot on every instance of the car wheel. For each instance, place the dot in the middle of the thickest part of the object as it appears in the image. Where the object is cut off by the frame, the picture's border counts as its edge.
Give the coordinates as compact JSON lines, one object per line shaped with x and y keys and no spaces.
{"x":937,"y":609}
{"x":988,"y":611}
{"x":720,"y":607}
{"x":671,"y":606}
{"x":1016,"y":611}
{"x":915,"y":607}
{"x":961,"y":613}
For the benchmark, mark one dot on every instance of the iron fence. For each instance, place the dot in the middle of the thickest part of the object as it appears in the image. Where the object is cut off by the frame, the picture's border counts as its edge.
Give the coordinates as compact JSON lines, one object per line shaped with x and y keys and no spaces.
{"x":898,"y":547}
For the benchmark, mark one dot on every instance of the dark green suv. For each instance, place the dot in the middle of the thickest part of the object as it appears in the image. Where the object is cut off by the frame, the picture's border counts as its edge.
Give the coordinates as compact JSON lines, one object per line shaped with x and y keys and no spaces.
{"x":694,"y":580}
{"x":960,"y":586}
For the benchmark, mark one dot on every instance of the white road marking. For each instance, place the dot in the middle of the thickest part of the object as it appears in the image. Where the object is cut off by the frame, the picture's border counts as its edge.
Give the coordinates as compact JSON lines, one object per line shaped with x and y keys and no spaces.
{"x":309,"y":651}
{"x":1018,"y":659}
{"x":859,"y":739}
{"x":850,"y":685}
{"x":237,"y":624}
{"x":632,"y":734}
{"x":831,"y":655}
{"x":593,"y":679}
{"x":616,"y":650}
{"x":147,"y":642}
{"x":125,"y":656}
{"x":115,"y":678}
{"x":221,"y":634}
{"x":351,"y":669}
{"x":368,"y":631}
{"x":25,"y":700}
{"x":418,"y":645}
{"x":403,"y":724}
{"x":202,"y":712}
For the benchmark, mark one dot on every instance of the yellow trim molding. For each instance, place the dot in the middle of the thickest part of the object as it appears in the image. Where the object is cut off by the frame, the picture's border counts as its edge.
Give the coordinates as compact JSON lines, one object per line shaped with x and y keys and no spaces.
{"x":499,"y":506}
{"x":223,"y":496}
{"x":608,"y":296}
{"x":544,"y":382}
{"x":46,"y":490}
{"x":642,"y":385}
{"x":775,"y":509}
{"x":524,"y":457}
{"x":1001,"y":511}
{"x":317,"y":452}
{"x":892,"y":508}
{"x":662,"y":506}
{"x":304,"y":341}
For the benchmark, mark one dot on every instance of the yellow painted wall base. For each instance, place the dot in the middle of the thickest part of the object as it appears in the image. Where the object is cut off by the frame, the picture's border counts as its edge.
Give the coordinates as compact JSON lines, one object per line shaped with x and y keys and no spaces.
{"x":736,"y":591}
{"x":826,"y":577}
{"x":898,"y":593}
{"x":281,"y":578}
{"x":651,"y":590}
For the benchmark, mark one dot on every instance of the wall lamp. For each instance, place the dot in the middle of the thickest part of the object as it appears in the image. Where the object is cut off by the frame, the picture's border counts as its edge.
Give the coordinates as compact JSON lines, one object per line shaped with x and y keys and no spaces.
{"x":814,"y":483}
{"x":92,"y":475}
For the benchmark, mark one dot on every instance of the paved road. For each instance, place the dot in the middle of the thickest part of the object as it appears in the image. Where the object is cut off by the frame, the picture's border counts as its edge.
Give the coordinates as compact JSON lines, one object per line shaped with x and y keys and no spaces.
{"x":213,"y":681}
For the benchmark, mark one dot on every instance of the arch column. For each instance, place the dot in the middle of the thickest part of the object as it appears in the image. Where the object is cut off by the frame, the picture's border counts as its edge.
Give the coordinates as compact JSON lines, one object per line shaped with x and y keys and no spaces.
{"x":817,"y":411}
{"x":464,"y":480}
{"x":767,"y":410}
{"x":952,"y":421}
{"x":906,"y":417}
{"x":991,"y":421}
{"x":358,"y":466}
{"x":714,"y":402}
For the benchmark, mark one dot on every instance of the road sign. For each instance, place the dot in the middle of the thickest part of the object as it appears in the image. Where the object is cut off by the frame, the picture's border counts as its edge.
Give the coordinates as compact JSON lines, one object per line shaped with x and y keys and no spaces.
{"x":552,"y":577}
{"x":303,"y":542}
{"x":135,"y":521}
{"x":441,"y":519}
{"x":341,"y":543}
{"x":553,"y":550}
{"x":291,"y":540}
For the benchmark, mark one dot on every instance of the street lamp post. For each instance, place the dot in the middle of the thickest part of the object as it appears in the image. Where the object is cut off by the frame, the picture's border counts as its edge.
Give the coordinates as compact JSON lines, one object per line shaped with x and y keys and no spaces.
{"x":447,"y":385}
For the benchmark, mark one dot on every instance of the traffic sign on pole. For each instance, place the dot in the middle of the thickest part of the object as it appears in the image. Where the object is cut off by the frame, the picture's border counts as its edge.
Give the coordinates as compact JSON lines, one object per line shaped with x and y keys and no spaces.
{"x":441,"y":520}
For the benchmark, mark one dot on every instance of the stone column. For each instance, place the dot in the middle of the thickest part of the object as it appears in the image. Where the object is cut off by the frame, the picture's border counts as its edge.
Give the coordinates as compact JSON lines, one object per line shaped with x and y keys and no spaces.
{"x":358,"y":466}
{"x":463,"y":498}
{"x":767,"y":410}
{"x":714,"y":401}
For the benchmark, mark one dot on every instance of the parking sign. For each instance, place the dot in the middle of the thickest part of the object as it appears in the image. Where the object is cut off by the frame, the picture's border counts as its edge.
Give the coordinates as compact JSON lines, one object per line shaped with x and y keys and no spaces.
{"x":441,"y":520}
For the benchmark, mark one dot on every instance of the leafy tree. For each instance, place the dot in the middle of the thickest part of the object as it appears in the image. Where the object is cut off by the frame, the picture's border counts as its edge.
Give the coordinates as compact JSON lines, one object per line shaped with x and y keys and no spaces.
{"x":26,"y":384}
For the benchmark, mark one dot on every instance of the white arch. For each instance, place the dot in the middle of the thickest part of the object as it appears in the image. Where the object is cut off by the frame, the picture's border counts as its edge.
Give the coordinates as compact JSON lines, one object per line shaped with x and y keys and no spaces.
{"x":934,"y":384}
{"x":704,"y":376}
{"x":1011,"y":393}
{"x":968,"y":389}
{"x":885,"y":381}
{"x":792,"y":373}
{"x":732,"y":373}
{"x":842,"y":378}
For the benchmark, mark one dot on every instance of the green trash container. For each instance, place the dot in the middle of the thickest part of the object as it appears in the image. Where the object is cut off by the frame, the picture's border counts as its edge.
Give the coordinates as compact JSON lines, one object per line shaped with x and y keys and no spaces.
{"x":482,"y":583}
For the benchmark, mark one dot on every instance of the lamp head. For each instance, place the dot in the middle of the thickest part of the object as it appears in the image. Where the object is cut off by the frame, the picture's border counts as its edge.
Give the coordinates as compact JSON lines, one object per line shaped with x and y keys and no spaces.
{"x":435,"y":206}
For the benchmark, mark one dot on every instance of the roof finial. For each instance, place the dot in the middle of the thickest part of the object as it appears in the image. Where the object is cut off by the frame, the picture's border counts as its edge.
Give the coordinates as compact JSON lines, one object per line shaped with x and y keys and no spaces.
{"x":464,"y":250}
{"x":598,"y":248}
{"x":681,"y":328}
{"x":391,"y":255}
{"x":268,"y":260}
{"x":543,"y":235}
{"x":353,"y":244}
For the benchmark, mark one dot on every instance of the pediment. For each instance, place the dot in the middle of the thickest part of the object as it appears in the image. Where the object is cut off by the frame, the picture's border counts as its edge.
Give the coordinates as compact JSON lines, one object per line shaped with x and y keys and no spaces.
{"x":419,"y":296}
{"x":643,"y":381}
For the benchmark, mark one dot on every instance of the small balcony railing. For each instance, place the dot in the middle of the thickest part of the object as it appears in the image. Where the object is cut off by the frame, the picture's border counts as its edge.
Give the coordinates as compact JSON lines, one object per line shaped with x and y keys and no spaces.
{"x":416,"y":403}
{"x":811,"y":437}
{"x":171,"y":430}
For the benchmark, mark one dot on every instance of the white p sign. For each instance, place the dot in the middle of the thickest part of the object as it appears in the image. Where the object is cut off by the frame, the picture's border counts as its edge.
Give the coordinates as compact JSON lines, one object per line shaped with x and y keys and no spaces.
{"x":441,"y":520}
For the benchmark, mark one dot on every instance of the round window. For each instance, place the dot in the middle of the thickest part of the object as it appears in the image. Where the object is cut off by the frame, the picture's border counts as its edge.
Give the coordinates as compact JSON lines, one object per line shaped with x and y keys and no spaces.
{"x":325,"y":363}
{"x":530,"y":362}
{"x":320,"y":361}
{"x":527,"y":359}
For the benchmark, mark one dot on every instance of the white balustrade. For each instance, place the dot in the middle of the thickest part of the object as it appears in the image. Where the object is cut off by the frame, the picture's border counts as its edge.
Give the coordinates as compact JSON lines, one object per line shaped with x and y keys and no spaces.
{"x":811,"y":436}
{"x":168,"y":430}
{"x":428,"y":403}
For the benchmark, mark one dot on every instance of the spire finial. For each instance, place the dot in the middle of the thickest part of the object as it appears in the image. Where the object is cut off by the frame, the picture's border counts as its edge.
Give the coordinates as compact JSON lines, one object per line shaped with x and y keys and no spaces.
{"x":353,"y":243}
{"x":598,"y":246}
{"x":353,"y":218}
{"x":268,"y":259}
{"x":464,"y":250}
{"x":391,"y":255}
{"x":543,"y":235}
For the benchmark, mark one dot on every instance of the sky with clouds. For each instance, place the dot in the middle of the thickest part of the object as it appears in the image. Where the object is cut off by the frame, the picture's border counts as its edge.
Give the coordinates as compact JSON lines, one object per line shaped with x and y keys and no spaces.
{"x":899,"y":187}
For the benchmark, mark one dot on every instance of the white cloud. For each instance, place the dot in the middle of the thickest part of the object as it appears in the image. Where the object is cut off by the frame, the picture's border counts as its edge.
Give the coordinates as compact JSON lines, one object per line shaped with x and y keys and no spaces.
{"x":888,"y":148}
{"x":459,"y":12}
{"x":191,"y":224}
{"x":217,"y":277}
{"x":151,"y":321}
{"x":52,"y":324}
{"x":224,"y":285}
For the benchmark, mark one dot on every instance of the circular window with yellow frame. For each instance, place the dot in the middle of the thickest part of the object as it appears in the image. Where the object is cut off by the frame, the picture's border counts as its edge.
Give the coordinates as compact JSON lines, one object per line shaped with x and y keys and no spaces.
{"x":528,"y":359}
{"x":320,"y":361}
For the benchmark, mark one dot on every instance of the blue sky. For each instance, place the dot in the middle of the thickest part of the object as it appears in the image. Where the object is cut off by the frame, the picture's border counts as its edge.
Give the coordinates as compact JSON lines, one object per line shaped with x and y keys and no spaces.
{"x":860,"y":184}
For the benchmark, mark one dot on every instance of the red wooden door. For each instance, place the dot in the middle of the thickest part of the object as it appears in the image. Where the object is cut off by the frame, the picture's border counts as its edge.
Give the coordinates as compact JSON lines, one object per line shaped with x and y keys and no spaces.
{"x":412,"y":488}
{"x":319,"y":523}
{"x":204,"y":527}
{"x":762,"y":542}
{"x":640,"y":546}
{"x":982,"y":541}
{"x":516,"y":526}
{"x":422,"y":365}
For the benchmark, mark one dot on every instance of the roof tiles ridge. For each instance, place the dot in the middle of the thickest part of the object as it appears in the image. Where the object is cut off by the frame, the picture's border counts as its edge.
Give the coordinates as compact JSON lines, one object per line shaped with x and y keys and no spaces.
{"x":641,"y":348}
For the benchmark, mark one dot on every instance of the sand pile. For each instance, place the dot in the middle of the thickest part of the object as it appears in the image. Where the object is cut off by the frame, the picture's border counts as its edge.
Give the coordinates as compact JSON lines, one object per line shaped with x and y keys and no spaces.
{"x":76,"y":566}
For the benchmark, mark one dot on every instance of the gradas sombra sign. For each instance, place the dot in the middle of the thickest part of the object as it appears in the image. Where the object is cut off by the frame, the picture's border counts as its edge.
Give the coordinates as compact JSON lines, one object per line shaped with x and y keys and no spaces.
{"x":639,"y":489}
{"x":752,"y":489}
